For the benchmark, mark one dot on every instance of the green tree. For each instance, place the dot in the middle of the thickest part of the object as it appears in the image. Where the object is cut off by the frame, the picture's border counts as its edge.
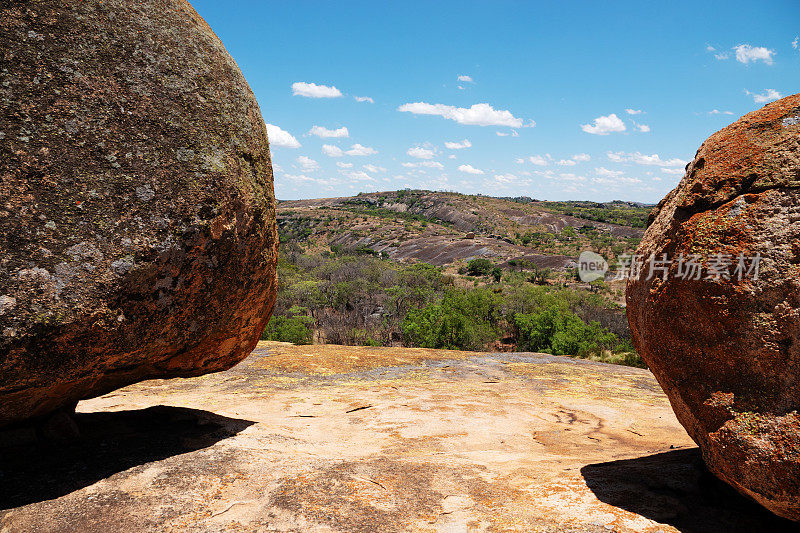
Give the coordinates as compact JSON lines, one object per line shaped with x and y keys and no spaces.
{"x":479,"y":267}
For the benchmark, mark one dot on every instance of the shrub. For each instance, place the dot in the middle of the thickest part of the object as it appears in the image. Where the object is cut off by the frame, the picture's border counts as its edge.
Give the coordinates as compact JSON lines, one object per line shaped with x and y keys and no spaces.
{"x":479,"y":267}
{"x":294,"y":329}
{"x":558,"y":331}
{"x":464,"y":319}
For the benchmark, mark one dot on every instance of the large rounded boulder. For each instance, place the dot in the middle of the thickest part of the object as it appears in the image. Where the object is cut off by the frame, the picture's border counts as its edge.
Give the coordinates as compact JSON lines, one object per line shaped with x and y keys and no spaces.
{"x":137,"y":216}
{"x":715,"y":308}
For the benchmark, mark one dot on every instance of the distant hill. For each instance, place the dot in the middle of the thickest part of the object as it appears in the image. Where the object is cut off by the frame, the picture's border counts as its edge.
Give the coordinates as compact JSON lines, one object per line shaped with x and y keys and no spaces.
{"x":443,"y":228}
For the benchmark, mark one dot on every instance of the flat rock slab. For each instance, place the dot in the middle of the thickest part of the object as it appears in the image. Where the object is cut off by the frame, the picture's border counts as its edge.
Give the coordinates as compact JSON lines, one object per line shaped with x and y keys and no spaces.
{"x":329,"y":438}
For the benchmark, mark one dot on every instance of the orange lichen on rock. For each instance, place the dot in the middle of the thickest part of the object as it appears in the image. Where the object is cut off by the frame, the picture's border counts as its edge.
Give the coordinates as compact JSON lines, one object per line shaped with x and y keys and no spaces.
{"x":726,"y":349}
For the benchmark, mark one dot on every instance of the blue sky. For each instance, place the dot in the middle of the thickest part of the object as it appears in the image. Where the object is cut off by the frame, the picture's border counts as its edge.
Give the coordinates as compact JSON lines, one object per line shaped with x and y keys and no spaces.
{"x":556,"y":100}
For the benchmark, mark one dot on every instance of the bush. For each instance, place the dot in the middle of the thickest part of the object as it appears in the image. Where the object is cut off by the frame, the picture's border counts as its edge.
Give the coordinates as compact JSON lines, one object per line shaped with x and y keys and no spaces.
{"x":463,"y":320}
{"x":558,"y":331}
{"x":479,"y":267}
{"x":294,"y":329}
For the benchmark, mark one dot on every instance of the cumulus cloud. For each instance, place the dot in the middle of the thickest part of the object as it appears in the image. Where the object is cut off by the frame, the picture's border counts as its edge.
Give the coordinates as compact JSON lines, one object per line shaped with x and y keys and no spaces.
{"x":572,"y":161}
{"x":504,"y":178}
{"x":360,"y":176}
{"x":364,"y":99}
{"x":568,"y":176}
{"x":465,"y":78}
{"x":673,"y":171}
{"x":458,"y":145}
{"x":332,"y":151}
{"x":279,"y":137}
{"x":428,"y":164}
{"x":644,"y":128}
{"x":616,"y":181}
{"x":540,"y":160}
{"x":634,"y":111}
{"x":718,"y":112}
{"x":421,"y":153}
{"x":796,"y":43}
{"x":604,"y":125}
{"x":477,"y":115}
{"x":767,"y":96}
{"x":307,"y":164}
{"x":319,"y":131}
{"x":373,"y":169}
{"x":361,"y":150}
{"x":607,"y":173}
{"x":469,"y":169}
{"x":341,"y":164}
{"x":643,"y":159}
{"x":312,"y":90}
{"x":746,"y":54}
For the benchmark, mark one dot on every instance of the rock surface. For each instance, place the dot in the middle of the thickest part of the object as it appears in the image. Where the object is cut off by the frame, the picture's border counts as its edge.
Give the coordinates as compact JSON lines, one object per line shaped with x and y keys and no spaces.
{"x":332,"y":438}
{"x":727,"y":351}
{"x":137,"y":216}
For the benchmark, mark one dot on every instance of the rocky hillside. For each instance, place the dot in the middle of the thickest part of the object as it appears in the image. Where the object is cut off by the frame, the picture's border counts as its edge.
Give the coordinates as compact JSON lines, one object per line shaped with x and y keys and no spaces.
{"x":445,"y":228}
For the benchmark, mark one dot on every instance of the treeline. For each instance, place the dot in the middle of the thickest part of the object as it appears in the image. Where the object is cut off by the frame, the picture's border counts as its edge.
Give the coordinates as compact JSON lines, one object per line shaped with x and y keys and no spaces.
{"x":351,"y":298}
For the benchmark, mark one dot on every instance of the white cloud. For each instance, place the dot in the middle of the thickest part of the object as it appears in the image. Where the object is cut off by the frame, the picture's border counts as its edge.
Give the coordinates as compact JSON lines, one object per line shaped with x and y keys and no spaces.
{"x":307,"y":164}
{"x":634,"y":111}
{"x":451,"y":156}
{"x":767,"y":96}
{"x":504,"y":178}
{"x":361,"y":150}
{"x":477,"y":115}
{"x":421,"y":153}
{"x":616,"y":181}
{"x":340,"y":164}
{"x":360,"y":176}
{"x":643,"y":159}
{"x":465,"y":78}
{"x":312,"y":90}
{"x":673,"y":171}
{"x":332,"y":151}
{"x":373,"y":169}
{"x":581,"y":158}
{"x":718,"y":112}
{"x":571,"y":177}
{"x":364,"y":99}
{"x":469,"y":169}
{"x":279,"y":137}
{"x":796,"y":43}
{"x":502,"y":134}
{"x":606,"y":173}
{"x":458,"y":145}
{"x":644,"y":128}
{"x":567,"y":163}
{"x":604,"y":125}
{"x":539,"y":160}
{"x":319,"y":131}
{"x":428,"y":164}
{"x":746,"y":53}
{"x":722,"y":56}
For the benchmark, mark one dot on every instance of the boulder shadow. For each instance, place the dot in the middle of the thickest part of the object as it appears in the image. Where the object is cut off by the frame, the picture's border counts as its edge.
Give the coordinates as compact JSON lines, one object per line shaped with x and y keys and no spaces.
{"x":33,"y":470}
{"x":676,"y":488}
